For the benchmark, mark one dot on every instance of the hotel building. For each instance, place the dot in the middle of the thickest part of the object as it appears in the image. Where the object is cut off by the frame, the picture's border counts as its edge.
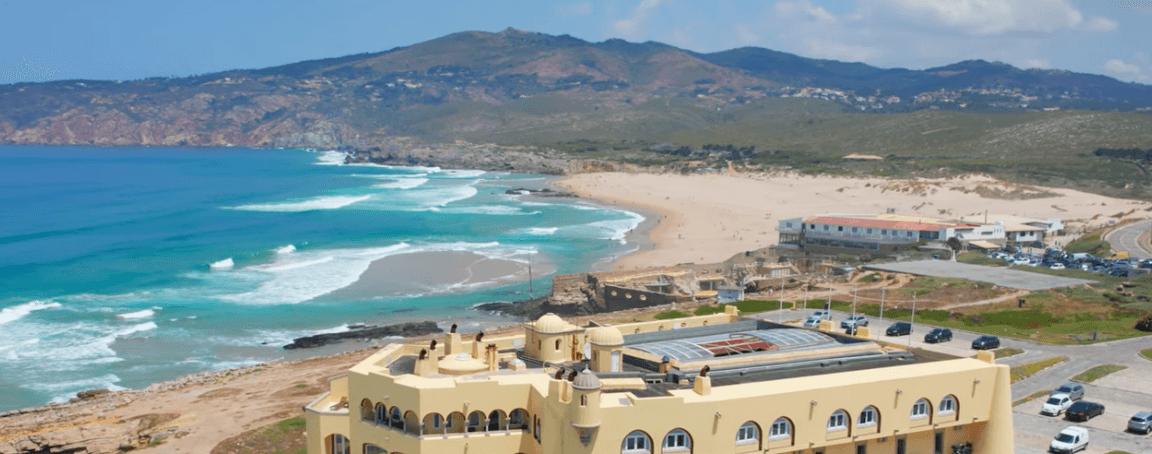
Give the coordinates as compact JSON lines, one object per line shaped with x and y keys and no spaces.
{"x":709,"y":384}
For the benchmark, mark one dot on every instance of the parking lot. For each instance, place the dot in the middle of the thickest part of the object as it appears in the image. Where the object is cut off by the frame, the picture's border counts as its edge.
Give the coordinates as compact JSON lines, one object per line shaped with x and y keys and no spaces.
{"x":994,"y":275}
{"x":1122,"y":393}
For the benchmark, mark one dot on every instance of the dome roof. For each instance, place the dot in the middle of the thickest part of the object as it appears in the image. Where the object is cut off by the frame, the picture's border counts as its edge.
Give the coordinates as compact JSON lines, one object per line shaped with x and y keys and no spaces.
{"x":605,"y":336}
{"x":586,"y":381}
{"x":551,"y":324}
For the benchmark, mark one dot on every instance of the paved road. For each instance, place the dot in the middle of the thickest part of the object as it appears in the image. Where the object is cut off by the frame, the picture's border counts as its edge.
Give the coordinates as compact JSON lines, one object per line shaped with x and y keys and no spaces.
{"x":1122,"y":394}
{"x":1124,"y":239}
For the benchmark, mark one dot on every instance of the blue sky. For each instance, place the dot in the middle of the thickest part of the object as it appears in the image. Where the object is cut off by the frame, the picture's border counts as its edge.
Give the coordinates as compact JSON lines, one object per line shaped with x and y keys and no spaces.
{"x":132,"y":39}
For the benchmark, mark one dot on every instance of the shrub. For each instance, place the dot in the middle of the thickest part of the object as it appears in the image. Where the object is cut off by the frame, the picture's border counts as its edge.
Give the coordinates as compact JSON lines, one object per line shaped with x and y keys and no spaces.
{"x":667,"y":315}
{"x":1145,"y":323}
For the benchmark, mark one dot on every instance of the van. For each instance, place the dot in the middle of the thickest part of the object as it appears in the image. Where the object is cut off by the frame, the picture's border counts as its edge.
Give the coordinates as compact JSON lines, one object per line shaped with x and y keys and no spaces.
{"x":1070,"y":440}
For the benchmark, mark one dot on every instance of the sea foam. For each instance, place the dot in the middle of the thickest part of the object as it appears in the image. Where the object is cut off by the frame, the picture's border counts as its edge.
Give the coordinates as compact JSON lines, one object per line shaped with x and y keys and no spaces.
{"x":331,"y":158}
{"x":306,"y":275}
{"x":222,"y":265}
{"x":402,"y":183}
{"x":146,"y":313}
{"x":318,"y":203}
{"x":11,"y":314}
{"x":286,"y":249}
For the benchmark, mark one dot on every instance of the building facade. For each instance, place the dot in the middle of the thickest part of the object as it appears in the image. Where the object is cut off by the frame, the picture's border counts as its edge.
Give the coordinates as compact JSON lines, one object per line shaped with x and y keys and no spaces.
{"x":707,"y":384}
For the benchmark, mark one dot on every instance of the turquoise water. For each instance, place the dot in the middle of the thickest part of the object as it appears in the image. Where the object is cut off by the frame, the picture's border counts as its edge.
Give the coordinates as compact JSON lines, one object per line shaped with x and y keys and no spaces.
{"x":123,"y":267}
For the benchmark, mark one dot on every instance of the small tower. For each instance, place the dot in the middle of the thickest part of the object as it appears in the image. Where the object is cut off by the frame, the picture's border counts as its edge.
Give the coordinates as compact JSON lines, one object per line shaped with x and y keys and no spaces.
{"x":584,"y":409}
{"x":550,"y":339}
{"x":607,"y":346}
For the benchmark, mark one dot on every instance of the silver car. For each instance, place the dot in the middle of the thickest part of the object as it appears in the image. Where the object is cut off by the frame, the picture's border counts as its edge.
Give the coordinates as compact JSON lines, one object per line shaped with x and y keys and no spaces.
{"x":1141,"y":423}
{"x":1075,"y":391}
{"x":812,"y":322}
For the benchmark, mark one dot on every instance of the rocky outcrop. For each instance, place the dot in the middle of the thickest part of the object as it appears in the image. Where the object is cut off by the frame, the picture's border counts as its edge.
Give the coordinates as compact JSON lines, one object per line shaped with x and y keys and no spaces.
{"x":413,"y":329}
{"x":540,"y":192}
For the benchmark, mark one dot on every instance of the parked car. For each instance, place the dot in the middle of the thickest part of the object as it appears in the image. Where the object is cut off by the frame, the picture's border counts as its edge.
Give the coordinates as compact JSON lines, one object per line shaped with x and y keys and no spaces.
{"x":1074,"y":391}
{"x":938,"y":335}
{"x":1084,"y":410}
{"x":821,"y":314}
{"x":812,"y":322}
{"x":986,"y":342}
{"x":851,"y":329}
{"x":858,"y":320}
{"x":1055,"y":405}
{"x":1070,"y":440}
{"x":1057,"y":266}
{"x":899,"y":329}
{"x":1141,"y":423}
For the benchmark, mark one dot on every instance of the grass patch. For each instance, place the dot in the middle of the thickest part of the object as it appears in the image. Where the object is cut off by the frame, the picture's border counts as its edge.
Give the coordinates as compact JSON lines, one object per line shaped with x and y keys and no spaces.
{"x":1007,"y":351}
{"x":1034,"y":396}
{"x":1146,"y":353}
{"x":282,"y":437}
{"x":668,"y":315}
{"x":1091,"y":243}
{"x":1098,"y":372}
{"x":976,"y":258}
{"x":1118,"y":452}
{"x":1027,"y":370}
{"x":745,"y":307}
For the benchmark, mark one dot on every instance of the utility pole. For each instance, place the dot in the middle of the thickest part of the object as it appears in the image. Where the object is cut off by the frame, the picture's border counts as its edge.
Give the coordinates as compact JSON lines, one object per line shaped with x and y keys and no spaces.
{"x":883,"y":291}
{"x":913,"y":319}
{"x":780,"y":314}
{"x":530,"y":297}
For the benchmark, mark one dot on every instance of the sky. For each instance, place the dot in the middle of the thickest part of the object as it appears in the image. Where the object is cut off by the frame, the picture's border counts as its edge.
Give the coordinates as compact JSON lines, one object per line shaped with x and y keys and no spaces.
{"x":133,"y":39}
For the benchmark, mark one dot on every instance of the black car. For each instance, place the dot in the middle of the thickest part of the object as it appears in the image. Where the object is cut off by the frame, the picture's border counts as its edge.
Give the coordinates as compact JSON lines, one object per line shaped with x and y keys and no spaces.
{"x":1083,"y":411}
{"x":851,"y":329}
{"x":938,"y":335}
{"x":899,"y":329}
{"x":986,"y":342}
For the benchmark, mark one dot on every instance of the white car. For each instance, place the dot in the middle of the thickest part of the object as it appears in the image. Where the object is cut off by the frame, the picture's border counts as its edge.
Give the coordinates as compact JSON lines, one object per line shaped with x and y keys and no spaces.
{"x":1056,"y":404}
{"x":1070,"y":440}
{"x":1057,"y":266}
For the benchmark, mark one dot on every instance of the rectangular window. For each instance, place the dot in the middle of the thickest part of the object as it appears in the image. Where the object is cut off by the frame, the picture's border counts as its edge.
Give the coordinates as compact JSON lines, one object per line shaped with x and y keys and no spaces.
{"x":901,"y":446}
{"x":869,"y":231}
{"x":812,"y":226}
{"x":839,"y":228}
{"x":435,"y":421}
{"x":825,"y":228}
{"x":861,"y":449}
{"x":884,"y":232}
{"x":854,"y":229}
{"x":939,"y":442}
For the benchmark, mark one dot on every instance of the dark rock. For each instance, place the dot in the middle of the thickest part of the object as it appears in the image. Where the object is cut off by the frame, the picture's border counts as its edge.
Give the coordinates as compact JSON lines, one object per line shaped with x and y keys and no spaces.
{"x":540,"y":192}
{"x":412,"y":329}
{"x":84,"y":395}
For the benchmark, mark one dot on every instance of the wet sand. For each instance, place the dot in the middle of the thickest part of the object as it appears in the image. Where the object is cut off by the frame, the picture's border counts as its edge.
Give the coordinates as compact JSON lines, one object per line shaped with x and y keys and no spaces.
{"x":420,"y":273}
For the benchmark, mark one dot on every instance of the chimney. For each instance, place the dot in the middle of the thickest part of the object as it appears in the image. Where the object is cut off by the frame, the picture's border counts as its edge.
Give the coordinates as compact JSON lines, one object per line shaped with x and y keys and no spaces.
{"x":703,"y":383}
{"x":490,"y":357}
{"x":452,"y":343}
{"x":476,"y":345}
{"x":426,"y":364}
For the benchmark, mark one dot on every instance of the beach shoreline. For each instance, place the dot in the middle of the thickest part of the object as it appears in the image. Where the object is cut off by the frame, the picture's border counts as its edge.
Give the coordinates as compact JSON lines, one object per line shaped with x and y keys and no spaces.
{"x":709,"y":218}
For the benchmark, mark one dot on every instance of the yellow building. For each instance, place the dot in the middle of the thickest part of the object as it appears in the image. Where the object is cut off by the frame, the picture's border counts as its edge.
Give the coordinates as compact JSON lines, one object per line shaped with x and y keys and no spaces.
{"x":708,"y":384}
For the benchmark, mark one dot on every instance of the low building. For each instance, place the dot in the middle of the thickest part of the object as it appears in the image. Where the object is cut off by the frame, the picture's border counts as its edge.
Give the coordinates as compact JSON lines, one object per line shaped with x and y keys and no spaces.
{"x":706,"y":384}
{"x":858,"y":234}
{"x":729,"y":294}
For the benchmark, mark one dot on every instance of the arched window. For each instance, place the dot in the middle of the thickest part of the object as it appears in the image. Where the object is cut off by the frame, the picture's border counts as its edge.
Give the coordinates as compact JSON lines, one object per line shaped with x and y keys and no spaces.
{"x":433,"y":423}
{"x":454,"y":423}
{"x":868,"y":418}
{"x":518,"y":419}
{"x":781,"y":429}
{"x":395,"y":419}
{"x":584,"y":400}
{"x":370,"y":448}
{"x":381,"y":414}
{"x":838,"y":421}
{"x":339,"y":444}
{"x":366,"y":411}
{"x":920,"y":409}
{"x":411,"y":423}
{"x":677,"y":441}
{"x":476,"y":421}
{"x":749,"y":433}
{"x":947,"y":405}
{"x":636,"y":442}
{"x":497,"y":420}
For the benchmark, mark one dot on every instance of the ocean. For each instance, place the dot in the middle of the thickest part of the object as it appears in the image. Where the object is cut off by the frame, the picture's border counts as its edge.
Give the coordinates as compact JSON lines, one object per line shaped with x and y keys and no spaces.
{"x":122,"y":267}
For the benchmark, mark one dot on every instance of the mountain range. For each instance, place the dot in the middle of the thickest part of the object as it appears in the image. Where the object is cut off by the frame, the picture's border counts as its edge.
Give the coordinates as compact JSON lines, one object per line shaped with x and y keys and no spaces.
{"x":512,"y":85}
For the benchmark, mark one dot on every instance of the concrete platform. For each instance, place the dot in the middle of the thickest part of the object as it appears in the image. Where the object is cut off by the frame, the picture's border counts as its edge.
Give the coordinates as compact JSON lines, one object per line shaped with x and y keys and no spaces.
{"x":994,"y":275}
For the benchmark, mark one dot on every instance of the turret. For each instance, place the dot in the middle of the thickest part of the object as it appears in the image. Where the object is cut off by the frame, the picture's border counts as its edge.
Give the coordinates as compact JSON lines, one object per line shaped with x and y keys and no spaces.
{"x":607,"y":346}
{"x":584,"y":409}
{"x":452,"y":342}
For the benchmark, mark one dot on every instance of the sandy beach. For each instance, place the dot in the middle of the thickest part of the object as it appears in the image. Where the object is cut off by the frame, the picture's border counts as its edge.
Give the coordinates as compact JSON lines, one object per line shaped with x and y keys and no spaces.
{"x":709,"y":218}
{"x":424,"y":272}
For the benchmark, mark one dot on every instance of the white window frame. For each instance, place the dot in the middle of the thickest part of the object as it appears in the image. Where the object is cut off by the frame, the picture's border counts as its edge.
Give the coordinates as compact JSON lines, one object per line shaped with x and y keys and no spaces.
{"x":838,"y":421}
{"x":640,"y":443}
{"x":872,"y":417}
{"x":920,"y":409}
{"x":748,"y":434}
{"x":947,"y":405}
{"x":677,"y":441}
{"x":781,"y":429}
{"x":341,"y":444}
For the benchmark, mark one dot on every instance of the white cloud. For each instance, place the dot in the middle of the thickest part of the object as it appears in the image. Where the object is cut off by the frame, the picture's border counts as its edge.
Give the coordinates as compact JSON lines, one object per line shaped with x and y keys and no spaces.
{"x":1100,"y":24}
{"x":575,"y":9}
{"x":1124,"y":70}
{"x":813,"y":13}
{"x":988,"y":17}
{"x":1035,"y":63}
{"x":632,"y":27}
{"x":745,"y":35}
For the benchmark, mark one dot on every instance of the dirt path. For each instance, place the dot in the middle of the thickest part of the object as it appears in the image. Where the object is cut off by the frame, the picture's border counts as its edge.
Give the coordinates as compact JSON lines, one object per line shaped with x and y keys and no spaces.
{"x":997,"y":299}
